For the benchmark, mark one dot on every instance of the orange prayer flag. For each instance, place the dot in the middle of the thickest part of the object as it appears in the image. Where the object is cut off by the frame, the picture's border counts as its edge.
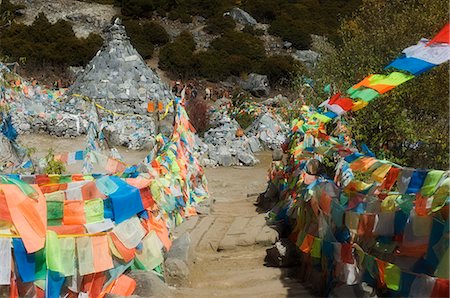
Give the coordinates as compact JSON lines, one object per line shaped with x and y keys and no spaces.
{"x":28,"y":216}
{"x":101,"y":253}
{"x":126,"y":253}
{"x":381,"y":266}
{"x":123,"y":286}
{"x":90,"y":191}
{"x":160,"y":106}
{"x":151,"y":107}
{"x":307,"y":243}
{"x":73,"y":213}
{"x":93,"y":284}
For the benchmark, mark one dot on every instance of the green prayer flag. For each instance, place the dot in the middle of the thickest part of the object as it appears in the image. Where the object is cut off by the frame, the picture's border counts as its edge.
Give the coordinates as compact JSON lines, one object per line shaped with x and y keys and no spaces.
{"x":41,"y":266}
{"x":65,"y":179}
{"x":430,"y":183}
{"x":441,"y":195}
{"x":315,"y":250}
{"x":55,"y":210}
{"x":67,"y":246}
{"x":94,"y":210}
{"x":53,"y":252}
{"x":392,"y":275}
{"x":442,"y":269}
{"x":365,"y":94}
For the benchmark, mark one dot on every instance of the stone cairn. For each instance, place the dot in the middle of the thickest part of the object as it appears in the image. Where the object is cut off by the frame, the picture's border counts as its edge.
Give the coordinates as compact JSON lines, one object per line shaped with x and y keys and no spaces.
{"x":118,"y":78}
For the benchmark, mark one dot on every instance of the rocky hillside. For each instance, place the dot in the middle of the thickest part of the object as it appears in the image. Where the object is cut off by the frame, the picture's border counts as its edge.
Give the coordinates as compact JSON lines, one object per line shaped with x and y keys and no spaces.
{"x":227,"y":41}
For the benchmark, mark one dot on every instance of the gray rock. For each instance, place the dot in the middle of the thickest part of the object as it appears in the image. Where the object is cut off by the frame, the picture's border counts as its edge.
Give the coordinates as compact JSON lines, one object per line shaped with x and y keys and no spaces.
{"x":277,"y":155}
{"x":242,"y":17}
{"x":257,"y":84}
{"x":246,"y":158}
{"x":177,"y":271}
{"x":180,"y":248}
{"x":254,"y":144}
{"x":287,"y":45}
{"x":149,"y":284}
{"x":306,"y":56}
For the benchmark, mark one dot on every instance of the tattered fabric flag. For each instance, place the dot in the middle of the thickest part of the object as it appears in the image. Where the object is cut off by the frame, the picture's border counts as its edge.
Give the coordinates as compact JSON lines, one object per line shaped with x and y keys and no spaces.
{"x":443,"y":36}
{"x":436,"y":53}
{"x":6,"y":260}
{"x":25,"y":262}
{"x":392,"y":276}
{"x":151,"y":253}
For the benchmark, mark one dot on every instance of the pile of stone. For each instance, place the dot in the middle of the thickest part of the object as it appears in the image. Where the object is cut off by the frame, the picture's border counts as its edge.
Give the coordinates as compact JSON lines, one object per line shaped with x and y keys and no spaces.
{"x":267,"y":131}
{"x":118,"y":78}
{"x":225,"y":144}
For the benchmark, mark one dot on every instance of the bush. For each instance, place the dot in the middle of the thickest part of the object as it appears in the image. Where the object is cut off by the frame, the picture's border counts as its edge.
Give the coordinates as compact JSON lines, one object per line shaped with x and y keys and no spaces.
{"x":144,"y":35}
{"x":252,"y":31}
{"x":219,"y":24}
{"x":280,"y":69}
{"x":181,"y":15}
{"x":239,"y":44}
{"x":198,"y":112}
{"x":176,"y":57}
{"x":8,"y":11}
{"x":210,"y":64}
{"x":45,"y":43}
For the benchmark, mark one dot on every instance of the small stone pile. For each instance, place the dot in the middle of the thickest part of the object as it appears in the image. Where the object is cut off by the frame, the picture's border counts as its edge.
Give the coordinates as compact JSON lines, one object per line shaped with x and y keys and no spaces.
{"x":224,"y":144}
{"x":268,"y":131}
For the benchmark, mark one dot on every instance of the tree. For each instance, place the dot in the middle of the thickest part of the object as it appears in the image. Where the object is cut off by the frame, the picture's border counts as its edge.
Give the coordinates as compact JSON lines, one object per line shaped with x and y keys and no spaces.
{"x":409,"y":124}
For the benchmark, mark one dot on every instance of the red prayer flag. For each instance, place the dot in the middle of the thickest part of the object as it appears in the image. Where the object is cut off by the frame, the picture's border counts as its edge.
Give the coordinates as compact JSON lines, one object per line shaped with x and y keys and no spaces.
{"x":442,"y":37}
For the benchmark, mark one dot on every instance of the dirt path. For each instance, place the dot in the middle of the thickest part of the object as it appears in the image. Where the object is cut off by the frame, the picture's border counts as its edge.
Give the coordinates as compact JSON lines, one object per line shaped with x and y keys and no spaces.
{"x":230,"y":243}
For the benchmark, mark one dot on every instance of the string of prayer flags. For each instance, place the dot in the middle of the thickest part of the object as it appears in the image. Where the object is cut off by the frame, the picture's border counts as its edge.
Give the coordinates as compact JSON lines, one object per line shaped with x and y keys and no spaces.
{"x":415,"y":60}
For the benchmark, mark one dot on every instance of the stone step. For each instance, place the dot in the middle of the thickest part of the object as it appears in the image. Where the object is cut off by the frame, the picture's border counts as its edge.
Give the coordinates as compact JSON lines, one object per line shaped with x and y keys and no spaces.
{"x":187,"y":226}
{"x":253,"y":228}
{"x":267,"y":236}
{"x":215,"y":233}
{"x":200,"y":229}
{"x":238,"y":226}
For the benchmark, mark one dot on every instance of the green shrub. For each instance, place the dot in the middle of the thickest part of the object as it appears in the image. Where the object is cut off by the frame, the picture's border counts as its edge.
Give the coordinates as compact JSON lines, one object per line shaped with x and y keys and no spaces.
{"x":280,"y":69}
{"x":210,"y":64}
{"x":219,"y":24}
{"x":144,"y":35}
{"x":239,"y":44}
{"x":8,"y":11}
{"x":292,"y":30}
{"x":252,"y":31}
{"x":176,"y":57}
{"x":45,"y":43}
{"x":181,"y":15}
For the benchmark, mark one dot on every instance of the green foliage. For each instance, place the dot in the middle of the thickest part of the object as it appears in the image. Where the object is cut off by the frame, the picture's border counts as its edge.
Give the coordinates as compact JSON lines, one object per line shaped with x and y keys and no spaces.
{"x":239,"y":44}
{"x":280,"y":69}
{"x":44,"y":43}
{"x":180,"y":9}
{"x":219,"y":24}
{"x":295,"y":21}
{"x":53,"y":166}
{"x":252,"y":31}
{"x":210,"y":64}
{"x":176,"y":57}
{"x":144,"y":35}
{"x":413,"y":114}
{"x":8,"y":11}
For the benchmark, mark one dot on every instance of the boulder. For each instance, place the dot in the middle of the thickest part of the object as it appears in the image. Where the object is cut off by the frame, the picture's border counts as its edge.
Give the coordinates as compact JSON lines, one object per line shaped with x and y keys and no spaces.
{"x":306,"y":56}
{"x":242,"y":17}
{"x":148,"y":284}
{"x":257,"y":85}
